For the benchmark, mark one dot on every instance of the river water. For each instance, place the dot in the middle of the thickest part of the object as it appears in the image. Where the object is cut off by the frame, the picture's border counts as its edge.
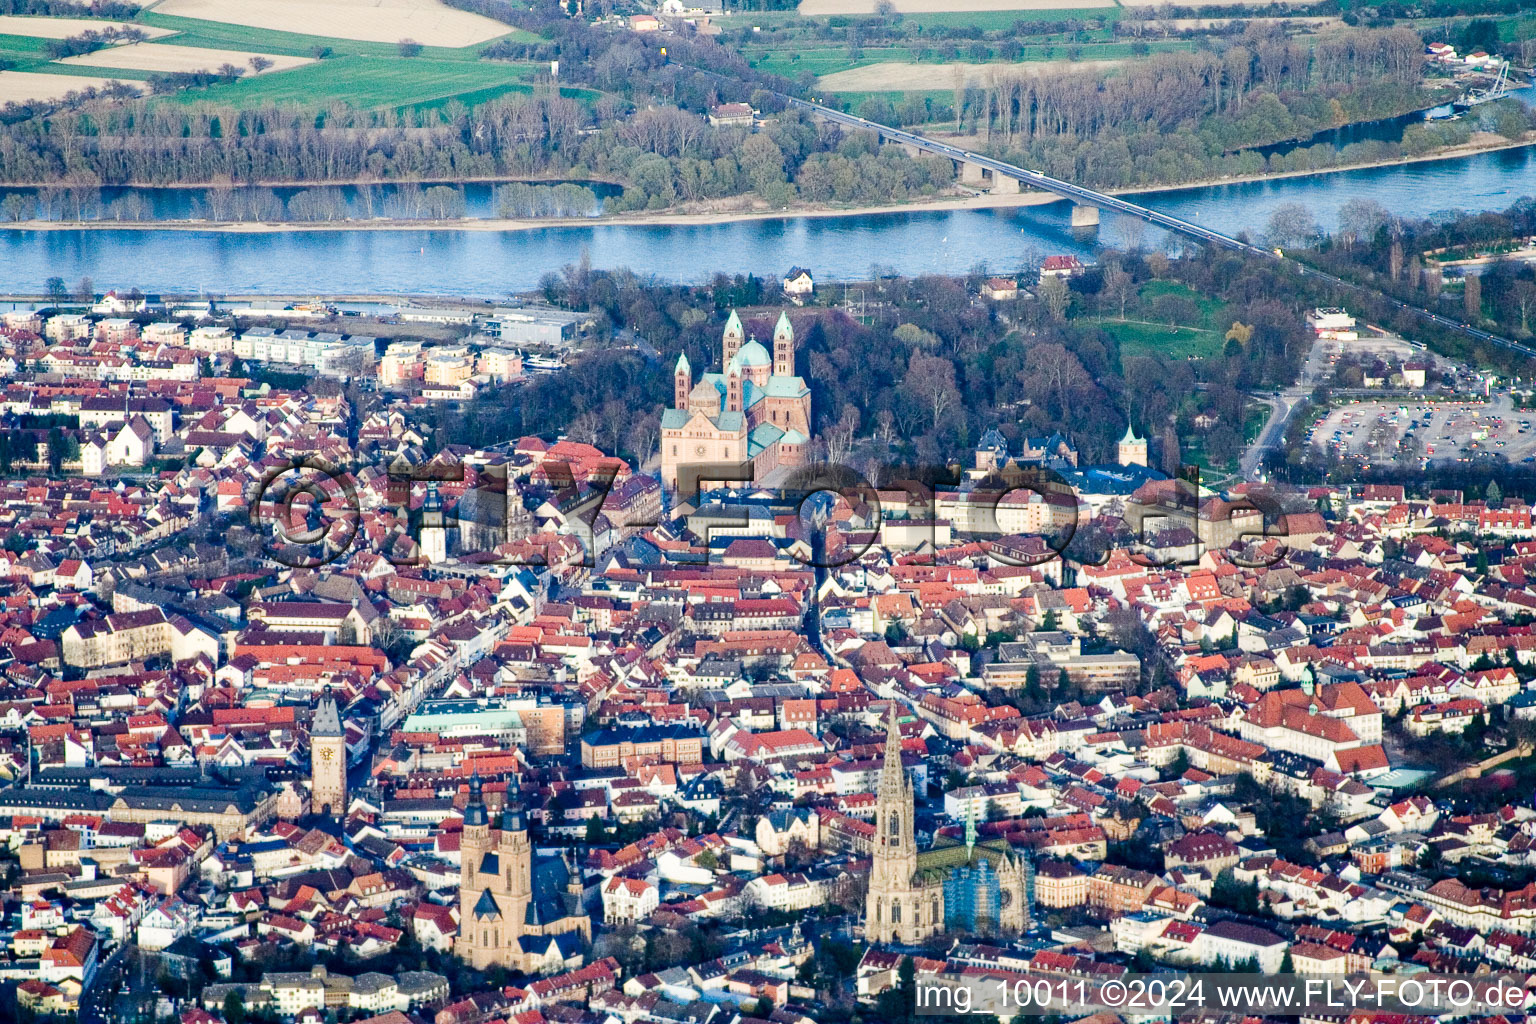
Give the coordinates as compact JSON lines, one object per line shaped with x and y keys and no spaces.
{"x":492,"y":264}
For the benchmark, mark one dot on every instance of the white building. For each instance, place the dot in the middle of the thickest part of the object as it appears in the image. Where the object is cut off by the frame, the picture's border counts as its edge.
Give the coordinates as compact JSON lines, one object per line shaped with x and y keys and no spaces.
{"x":1234,"y":943}
{"x":629,"y":900}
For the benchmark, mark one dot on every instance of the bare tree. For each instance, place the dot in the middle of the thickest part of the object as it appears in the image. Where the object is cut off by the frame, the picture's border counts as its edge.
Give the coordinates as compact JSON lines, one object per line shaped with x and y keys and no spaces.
{"x":931,"y":381}
{"x":1118,"y":285}
{"x":840,"y":435}
{"x":1054,"y":295}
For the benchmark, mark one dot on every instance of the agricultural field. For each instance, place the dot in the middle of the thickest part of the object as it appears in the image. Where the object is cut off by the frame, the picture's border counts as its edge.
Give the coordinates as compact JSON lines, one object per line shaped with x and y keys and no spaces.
{"x":164,"y":57}
{"x":817,"y":8}
{"x":381,"y":21}
{"x":898,"y":76}
{"x":63,"y":28}
{"x":22,"y":86}
{"x":374,"y":82}
{"x":346,"y":50}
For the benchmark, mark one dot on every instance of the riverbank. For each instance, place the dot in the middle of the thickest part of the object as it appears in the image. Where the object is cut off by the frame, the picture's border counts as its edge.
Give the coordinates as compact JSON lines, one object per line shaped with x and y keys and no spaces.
{"x":1483,"y":142}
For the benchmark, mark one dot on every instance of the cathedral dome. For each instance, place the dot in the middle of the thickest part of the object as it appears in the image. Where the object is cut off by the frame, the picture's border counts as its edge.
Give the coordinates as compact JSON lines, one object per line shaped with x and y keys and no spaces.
{"x":753,"y":354}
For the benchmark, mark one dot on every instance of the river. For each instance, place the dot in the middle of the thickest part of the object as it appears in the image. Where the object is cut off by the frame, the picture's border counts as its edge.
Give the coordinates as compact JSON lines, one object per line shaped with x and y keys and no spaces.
{"x":492,"y":264}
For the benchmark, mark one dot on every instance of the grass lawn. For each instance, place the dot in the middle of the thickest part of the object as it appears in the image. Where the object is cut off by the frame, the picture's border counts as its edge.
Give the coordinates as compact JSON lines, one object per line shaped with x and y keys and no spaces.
{"x":1141,"y":334}
{"x":369,"y":82}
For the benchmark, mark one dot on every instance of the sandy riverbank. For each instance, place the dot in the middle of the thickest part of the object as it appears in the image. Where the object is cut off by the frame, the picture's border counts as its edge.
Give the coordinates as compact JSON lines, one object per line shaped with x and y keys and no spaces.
{"x":1488,"y":143}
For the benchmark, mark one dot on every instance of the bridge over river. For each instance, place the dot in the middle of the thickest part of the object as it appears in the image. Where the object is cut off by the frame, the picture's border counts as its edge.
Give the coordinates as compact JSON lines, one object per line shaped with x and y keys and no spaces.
{"x":979,"y":169}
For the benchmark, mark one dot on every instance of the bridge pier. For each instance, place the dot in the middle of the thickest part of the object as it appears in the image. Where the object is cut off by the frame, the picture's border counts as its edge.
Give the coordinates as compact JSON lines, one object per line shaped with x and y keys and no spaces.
{"x":1085,"y":216}
{"x":1005,"y":184}
{"x":972,"y":174}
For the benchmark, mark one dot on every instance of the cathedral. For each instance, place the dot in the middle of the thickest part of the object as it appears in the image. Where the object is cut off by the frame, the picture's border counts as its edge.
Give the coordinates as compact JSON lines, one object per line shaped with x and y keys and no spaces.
{"x":970,"y":887}
{"x":755,"y":410}
{"x":515,"y":912}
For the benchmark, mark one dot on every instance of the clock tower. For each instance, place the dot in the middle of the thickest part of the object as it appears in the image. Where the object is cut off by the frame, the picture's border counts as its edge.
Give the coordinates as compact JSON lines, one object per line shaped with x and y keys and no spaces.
{"x":327,"y":759}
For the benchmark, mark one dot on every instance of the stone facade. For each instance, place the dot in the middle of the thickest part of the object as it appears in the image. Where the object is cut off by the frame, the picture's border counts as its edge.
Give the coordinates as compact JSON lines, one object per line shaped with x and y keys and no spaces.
{"x":328,"y":760}
{"x":510,"y":908}
{"x":907,"y":902}
{"x":756,"y":410}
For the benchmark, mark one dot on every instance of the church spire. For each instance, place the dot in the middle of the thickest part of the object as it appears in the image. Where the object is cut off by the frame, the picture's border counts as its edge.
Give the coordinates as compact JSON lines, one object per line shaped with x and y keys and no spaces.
{"x":892,"y":766}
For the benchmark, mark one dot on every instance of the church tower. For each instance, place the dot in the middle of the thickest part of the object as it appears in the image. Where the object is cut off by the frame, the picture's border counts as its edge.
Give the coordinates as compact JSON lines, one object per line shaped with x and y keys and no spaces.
{"x":501,"y":921}
{"x":434,"y":527}
{"x":896,"y":909}
{"x":479,"y":915}
{"x":516,"y":862}
{"x":733,"y":387}
{"x":327,"y":759}
{"x":784,"y":347}
{"x":682,"y":382}
{"x":1132,"y":450}
{"x":517,"y":521}
{"x":731,"y":341}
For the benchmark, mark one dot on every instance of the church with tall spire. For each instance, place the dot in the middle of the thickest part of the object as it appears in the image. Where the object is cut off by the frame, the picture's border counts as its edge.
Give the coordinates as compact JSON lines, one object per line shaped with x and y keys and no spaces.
{"x":973,"y":887}
{"x":756,"y":409}
{"x":515,"y":911}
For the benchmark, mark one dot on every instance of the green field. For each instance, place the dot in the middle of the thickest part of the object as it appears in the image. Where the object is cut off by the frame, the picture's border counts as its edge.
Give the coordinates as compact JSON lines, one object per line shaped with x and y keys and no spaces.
{"x":364,"y":74}
{"x":991,"y":21}
{"x":28,"y":53}
{"x":987,"y":21}
{"x":369,"y":82}
{"x":1140,"y":334}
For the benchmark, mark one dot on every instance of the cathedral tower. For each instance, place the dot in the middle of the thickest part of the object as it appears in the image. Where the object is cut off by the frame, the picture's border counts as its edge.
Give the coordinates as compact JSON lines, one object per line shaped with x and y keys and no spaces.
{"x":784,"y":347}
{"x":327,"y":759}
{"x":682,"y":382}
{"x":731,"y":340}
{"x":733,"y":388}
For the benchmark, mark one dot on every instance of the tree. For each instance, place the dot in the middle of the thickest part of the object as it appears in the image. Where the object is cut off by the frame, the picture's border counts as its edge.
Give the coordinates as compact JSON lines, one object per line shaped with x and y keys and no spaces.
{"x":409,"y":48}
{"x":930,"y":381}
{"x":1118,"y":286}
{"x":1175,"y":308}
{"x":1228,"y":892}
{"x":1054,"y":296}
{"x":840,"y":436}
{"x":1472,"y":298}
{"x":595,"y":831}
{"x":56,"y":450}
{"x":1032,"y":688}
{"x":1291,"y":224}
{"x":85,"y":291}
{"x":1494,"y":494}
{"x":57,"y":290}
{"x":234,"y":1007}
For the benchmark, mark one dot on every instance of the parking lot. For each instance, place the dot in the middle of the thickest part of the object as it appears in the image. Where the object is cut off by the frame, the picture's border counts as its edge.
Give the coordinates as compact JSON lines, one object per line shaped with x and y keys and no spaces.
{"x":1408,"y":432}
